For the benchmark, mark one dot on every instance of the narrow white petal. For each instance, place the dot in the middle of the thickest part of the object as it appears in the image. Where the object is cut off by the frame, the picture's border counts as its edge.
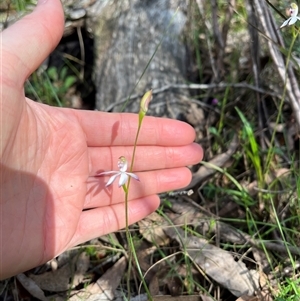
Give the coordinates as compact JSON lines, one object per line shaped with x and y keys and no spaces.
{"x":133,"y":175}
{"x":111,"y":179}
{"x":123,"y":179}
{"x":293,"y":20}
{"x":123,"y":167}
{"x":106,"y":173}
{"x":285,"y":23}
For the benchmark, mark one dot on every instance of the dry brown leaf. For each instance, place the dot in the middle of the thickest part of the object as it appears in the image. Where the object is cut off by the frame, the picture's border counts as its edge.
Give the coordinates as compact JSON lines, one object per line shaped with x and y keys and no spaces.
{"x":154,"y":285}
{"x":31,"y":287}
{"x":151,"y":229}
{"x":60,"y":279}
{"x":218,"y":264}
{"x":82,"y":266}
{"x":265,"y":293}
{"x":105,"y":287}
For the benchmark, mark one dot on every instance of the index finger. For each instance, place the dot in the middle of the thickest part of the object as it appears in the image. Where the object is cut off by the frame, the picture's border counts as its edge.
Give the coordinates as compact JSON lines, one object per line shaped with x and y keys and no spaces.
{"x":119,"y":129}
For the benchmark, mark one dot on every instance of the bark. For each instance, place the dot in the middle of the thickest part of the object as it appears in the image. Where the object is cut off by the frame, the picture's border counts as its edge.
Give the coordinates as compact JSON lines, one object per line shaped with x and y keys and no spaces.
{"x":126,"y":36}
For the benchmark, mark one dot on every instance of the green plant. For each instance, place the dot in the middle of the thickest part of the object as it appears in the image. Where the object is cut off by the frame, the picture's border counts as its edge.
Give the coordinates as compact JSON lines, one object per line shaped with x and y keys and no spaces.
{"x":289,"y":290}
{"x":50,"y":86}
{"x":22,"y":5}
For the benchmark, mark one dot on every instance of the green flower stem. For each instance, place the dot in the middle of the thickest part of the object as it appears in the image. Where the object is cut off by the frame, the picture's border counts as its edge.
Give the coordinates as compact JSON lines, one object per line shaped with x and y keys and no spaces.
{"x":142,"y":113}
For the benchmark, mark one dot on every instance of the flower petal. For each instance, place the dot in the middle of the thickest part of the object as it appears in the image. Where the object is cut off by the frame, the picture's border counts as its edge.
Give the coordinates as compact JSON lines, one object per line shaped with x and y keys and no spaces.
{"x":285,"y":23}
{"x":293,"y":20}
{"x":133,"y":176}
{"x":123,"y":179}
{"x":106,"y":173}
{"x":111,"y":179}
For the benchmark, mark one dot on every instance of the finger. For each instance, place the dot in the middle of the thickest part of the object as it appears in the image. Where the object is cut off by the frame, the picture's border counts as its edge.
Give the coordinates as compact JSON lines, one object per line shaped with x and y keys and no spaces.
{"x":146,"y":158}
{"x":152,"y":182}
{"x":30,"y":40}
{"x":106,"y":129}
{"x":100,"y":221}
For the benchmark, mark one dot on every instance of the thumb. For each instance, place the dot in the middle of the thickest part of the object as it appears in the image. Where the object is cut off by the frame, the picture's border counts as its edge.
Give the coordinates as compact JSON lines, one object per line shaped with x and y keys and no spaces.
{"x":27,"y":43}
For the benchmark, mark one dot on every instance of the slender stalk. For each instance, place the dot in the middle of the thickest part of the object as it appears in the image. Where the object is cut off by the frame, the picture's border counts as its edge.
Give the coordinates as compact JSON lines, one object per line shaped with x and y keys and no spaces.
{"x":143,"y":110}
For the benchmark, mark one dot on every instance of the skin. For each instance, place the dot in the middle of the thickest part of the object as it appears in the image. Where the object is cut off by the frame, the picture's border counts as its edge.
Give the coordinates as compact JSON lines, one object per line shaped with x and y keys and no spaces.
{"x":49,"y":198}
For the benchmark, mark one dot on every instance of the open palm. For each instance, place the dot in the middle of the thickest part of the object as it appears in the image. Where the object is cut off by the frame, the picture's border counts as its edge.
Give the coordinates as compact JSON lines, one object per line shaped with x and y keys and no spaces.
{"x":50,"y":199}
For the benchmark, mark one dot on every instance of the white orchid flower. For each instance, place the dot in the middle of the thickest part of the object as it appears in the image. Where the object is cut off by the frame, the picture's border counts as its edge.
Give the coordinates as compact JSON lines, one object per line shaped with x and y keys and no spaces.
{"x":124,"y":175}
{"x":293,"y":18}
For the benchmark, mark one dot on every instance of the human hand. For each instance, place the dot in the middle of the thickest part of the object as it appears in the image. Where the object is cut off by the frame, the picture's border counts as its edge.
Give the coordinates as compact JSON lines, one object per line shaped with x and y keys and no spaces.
{"x":50,"y":200}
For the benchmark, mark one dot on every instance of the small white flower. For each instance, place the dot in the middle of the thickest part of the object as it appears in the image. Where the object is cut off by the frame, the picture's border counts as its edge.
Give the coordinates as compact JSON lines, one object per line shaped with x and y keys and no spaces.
{"x":293,"y":18}
{"x":124,"y":175}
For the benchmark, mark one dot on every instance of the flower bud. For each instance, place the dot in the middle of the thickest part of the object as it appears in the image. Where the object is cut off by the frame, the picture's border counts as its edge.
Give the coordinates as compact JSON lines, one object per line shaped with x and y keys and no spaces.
{"x":145,"y":101}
